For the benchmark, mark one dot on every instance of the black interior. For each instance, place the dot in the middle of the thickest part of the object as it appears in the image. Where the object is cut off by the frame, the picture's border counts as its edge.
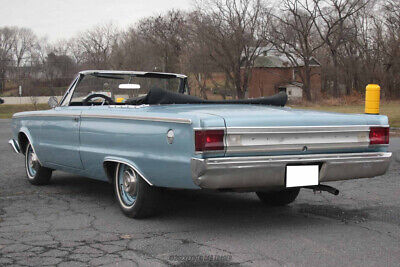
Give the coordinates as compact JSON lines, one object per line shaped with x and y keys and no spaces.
{"x":107,"y":99}
{"x":158,"y":96}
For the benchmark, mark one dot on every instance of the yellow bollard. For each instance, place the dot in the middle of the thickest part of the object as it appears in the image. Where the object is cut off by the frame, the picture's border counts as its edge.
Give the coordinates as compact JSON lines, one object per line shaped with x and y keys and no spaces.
{"x":372,"y":97}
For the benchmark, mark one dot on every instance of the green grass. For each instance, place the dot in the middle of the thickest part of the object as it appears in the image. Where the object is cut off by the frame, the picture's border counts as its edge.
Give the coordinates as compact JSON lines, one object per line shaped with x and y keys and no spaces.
{"x":6,"y":111}
{"x":390,"y":109}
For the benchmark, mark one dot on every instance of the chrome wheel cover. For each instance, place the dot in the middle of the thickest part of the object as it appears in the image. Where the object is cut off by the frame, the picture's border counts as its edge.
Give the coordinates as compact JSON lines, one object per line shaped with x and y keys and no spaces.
{"x":127,"y":185}
{"x":32,"y":162}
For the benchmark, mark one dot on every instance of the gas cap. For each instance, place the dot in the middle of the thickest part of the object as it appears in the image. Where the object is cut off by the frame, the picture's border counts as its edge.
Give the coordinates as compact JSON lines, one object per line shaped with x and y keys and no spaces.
{"x":170,"y":136}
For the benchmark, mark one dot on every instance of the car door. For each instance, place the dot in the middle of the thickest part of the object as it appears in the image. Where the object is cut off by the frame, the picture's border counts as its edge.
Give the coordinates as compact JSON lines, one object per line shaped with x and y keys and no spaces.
{"x":59,"y":137}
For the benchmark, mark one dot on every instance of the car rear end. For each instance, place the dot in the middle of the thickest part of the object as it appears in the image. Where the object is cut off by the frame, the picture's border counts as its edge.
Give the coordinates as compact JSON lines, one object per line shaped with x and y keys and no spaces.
{"x":264,"y":147}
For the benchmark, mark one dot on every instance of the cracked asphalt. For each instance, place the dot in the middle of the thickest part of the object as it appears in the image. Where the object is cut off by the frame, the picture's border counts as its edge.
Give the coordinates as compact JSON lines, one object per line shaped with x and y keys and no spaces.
{"x":76,"y":221}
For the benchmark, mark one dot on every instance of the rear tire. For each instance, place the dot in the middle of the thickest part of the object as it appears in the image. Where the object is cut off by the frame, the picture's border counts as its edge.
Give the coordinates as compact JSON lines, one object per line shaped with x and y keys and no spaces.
{"x":279,"y":198}
{"x":36,"y":173}
{"x":136,"y":198}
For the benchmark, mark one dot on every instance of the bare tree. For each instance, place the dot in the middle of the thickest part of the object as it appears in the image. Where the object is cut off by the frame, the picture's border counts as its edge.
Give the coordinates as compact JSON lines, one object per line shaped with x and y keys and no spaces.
{"x":293,"y":33}
{"x":7,"y":40}
{"x":167,"y":35}
{"x":233,"y":31}
{"x":75,"y":50}
{"x":356,"y":40}
{"x":388,"y":40}
{"x":96,"y":45}
{"x":23,"y":45}
{"x":357,"y":59}
{"x":332,"y":25}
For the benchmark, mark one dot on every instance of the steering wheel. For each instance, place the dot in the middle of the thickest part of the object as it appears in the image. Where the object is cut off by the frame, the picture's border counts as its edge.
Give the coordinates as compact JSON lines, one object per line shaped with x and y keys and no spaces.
{"x":107,"y":99}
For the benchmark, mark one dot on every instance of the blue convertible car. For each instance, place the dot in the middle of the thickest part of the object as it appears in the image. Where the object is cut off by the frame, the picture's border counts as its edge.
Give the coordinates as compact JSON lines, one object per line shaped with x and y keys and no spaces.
{"x":143,"y":130}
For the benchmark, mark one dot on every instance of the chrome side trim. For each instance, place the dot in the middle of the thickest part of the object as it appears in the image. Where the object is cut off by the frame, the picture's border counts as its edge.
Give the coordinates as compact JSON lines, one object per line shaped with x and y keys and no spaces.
{"x":270,"y":171}
{"x":139,"y":118}
{"x":68,"y":115}
{"x":14,"y":145}
{"x":130,"y":165}
{"x":123,"y":117}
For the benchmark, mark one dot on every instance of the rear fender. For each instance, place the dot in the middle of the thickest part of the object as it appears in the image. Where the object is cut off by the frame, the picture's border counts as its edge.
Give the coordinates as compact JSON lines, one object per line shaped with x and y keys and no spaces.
{"x":123,"y":161}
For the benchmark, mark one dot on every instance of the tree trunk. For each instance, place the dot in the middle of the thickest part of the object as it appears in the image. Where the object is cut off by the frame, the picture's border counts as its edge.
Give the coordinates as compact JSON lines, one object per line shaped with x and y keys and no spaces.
{"x":336,"y":90}
{"x":307,"y":83}
{"x":203,"y":88}
{"x":238,"y":84}
{"x":2,"y":81}
{"x":240,"y":94}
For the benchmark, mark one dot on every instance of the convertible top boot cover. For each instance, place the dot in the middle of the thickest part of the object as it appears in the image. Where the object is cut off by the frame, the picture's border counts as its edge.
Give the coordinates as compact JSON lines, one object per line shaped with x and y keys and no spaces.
{"x":161,"y":96}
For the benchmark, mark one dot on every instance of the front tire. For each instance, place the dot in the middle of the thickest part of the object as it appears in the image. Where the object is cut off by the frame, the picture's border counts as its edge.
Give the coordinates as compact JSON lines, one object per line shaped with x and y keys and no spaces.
{"x":279,"y":198}
{"x":136,"y":198}
{"x":36,"y":173}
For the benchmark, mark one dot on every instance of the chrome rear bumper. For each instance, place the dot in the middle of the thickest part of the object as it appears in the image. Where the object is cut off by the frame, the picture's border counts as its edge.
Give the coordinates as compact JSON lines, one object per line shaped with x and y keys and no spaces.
{"x":14,"y":145}
{"x":270,"y":171}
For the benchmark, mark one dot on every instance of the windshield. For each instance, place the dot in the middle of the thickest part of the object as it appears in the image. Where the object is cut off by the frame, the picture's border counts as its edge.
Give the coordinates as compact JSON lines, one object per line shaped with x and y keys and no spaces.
{"x":120,"y":88}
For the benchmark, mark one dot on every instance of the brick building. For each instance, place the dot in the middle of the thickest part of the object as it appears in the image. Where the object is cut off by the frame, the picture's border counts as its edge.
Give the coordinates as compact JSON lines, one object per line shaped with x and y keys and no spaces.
{"x":273,"y":72}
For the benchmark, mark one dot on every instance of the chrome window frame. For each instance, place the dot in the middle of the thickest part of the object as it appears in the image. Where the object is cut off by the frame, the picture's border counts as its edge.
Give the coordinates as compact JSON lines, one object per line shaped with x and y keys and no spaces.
{"x":69,"y":92}
{"x":66,"y":100}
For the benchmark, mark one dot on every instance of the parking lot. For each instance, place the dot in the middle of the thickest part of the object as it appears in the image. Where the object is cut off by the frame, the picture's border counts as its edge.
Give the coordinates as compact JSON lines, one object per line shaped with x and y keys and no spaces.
{"x":75,"y":220}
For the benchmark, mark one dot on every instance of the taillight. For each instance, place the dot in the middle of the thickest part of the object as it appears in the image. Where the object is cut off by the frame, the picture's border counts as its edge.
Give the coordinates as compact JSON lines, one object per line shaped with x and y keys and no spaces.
{"x":209,"y":140}
{"x":379,"y":135}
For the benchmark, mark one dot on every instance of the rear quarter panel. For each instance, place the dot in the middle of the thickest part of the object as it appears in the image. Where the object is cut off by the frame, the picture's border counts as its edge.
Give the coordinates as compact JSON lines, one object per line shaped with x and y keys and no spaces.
{"x":142,"y":143}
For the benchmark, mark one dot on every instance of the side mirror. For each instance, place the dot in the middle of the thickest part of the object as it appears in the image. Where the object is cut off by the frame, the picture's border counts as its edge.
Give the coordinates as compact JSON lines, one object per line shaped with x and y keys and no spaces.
{"x":53,"y":102}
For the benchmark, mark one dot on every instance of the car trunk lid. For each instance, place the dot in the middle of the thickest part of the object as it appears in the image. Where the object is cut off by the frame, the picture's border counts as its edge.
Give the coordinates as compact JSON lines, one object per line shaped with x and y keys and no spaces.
{"x":266,"y":130}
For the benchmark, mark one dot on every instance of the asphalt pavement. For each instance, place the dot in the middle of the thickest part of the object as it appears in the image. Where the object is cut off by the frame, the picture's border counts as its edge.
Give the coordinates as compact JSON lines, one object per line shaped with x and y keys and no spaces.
{"x":76,"y":221}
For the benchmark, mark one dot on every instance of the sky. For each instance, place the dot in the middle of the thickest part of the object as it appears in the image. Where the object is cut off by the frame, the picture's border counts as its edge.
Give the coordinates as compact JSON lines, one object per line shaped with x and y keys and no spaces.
{"x":61,"y":19}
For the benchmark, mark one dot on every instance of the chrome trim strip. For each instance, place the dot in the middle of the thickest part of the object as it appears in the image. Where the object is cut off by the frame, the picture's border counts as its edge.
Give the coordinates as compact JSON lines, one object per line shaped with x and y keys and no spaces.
{"x":123,"y":117}
{"x":270,"y":171}
{"x":14,"y":145}
{"x":296,"y":138}
{"x":210,"y":128}
{"x":297,"y":128}
{"x":139,"y":118}
{"x":70,"y":87}
{"x":298,"y":147}
{"x":130,"y":165}
{"x":291,"y":158}
{"x":68,"y":115}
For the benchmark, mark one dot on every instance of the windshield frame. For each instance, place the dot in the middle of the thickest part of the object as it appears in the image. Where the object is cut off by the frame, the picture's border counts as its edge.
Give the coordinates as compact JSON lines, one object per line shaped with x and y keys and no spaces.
{"x":183,"y":83}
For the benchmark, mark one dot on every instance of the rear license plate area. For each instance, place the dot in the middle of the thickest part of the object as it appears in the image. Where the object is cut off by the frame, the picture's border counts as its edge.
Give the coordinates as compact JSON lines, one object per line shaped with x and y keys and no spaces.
{"x":302,"y":175}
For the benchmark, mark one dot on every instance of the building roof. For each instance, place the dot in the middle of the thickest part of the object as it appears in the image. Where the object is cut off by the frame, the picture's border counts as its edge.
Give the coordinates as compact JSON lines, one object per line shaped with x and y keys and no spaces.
{"x":295,"y":84}
{"x":273,"y":59}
